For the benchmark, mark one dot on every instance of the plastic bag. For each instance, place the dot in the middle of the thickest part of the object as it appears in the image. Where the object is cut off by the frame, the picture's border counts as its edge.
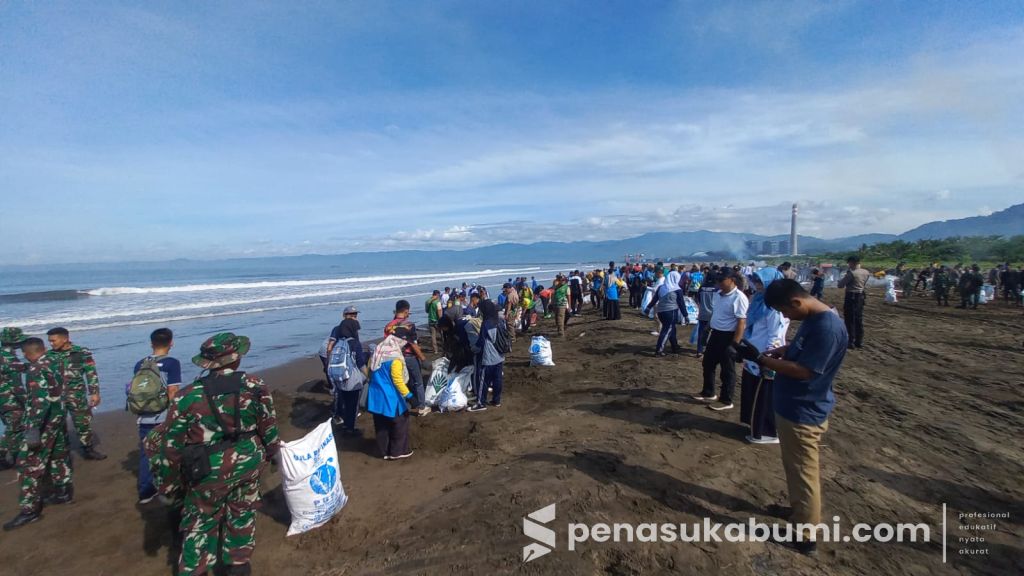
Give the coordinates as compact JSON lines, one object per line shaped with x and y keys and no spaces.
{"x":890,"y":291}
{"x":453,"y":398}
{"x":438,"y":381}
{"x":691,"y":309}
{"x":646,"y":301}
{"x":311,"y":478}
{"x":540,"y":352}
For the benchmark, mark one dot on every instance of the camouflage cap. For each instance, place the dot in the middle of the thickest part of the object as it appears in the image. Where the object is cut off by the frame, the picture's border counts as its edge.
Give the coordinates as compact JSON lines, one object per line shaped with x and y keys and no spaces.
{"x":10,"y":336}
{"x":221,"y":350}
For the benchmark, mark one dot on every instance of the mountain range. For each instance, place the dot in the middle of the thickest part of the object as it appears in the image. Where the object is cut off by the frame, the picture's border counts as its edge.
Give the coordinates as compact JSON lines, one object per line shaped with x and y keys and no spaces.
{"x":669,"y":245}
{"x":666,"y":245}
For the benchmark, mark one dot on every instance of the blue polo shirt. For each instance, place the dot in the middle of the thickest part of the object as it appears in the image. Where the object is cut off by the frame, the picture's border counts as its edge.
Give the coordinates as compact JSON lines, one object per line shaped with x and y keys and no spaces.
{"x":820,"y":346}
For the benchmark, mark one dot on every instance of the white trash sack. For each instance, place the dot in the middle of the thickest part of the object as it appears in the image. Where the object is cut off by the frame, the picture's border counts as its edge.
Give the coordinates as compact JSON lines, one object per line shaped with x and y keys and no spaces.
{"x":311,"y":477}
{"x":540,"y":352}
{"x":453,"y":398}
{"x":438,"y":381}
{"x":890,"y":290}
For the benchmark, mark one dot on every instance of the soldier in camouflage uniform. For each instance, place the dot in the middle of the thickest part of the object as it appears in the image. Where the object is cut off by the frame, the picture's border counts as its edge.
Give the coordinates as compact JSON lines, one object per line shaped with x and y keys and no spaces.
{"x":44,"y":447}
{"x":81,"y":387}
{"x":12,"y":395}
{"x":228,"y":417}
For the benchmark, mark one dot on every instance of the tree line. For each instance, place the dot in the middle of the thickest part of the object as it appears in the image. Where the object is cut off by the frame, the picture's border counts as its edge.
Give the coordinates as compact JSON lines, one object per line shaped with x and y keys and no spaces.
{"x":955,"y":249}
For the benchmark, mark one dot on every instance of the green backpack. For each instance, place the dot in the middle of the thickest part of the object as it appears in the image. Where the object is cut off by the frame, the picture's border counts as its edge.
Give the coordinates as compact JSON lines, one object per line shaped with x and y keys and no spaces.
{"x":147,"y":393}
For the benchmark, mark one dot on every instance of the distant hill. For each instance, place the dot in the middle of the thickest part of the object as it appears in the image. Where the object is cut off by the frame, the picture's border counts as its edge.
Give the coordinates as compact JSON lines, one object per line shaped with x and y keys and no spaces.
{"x":1007,"y":222}
{"x":653,"y":245}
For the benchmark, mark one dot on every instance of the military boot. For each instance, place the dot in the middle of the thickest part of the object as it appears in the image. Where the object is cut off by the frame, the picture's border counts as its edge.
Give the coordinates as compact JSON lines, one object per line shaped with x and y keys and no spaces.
{"x":238,"y":570}
{"x":61,"y":495}
{"x":22,"y":519}
{"x":90,"y":453}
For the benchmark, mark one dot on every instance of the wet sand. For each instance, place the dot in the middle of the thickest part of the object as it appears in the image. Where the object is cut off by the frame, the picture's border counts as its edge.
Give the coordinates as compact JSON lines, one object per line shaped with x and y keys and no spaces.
{"x":930,"y":412}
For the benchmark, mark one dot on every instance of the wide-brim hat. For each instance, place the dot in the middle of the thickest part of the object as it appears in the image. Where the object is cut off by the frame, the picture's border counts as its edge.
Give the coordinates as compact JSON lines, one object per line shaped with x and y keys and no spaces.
{"x":221,"y":350}
{"x":11,"y":336}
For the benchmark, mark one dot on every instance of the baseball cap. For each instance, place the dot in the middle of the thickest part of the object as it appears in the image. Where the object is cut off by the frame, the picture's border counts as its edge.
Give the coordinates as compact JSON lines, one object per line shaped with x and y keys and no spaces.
{"x":350,"y":310}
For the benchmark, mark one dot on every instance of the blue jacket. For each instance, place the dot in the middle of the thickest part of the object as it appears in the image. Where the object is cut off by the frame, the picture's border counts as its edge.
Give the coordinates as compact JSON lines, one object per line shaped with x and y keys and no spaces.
{"x":383,"y":396}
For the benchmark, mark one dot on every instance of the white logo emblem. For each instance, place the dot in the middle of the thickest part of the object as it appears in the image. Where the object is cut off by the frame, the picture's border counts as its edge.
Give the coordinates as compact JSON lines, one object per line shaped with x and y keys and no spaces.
{"x":545,"y":536}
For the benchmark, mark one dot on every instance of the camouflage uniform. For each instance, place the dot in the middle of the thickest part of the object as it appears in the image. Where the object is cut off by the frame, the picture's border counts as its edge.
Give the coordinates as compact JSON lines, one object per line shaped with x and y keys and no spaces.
{"x":940,"y":284}
{"x":80,"y":382}
{"x":44,"y":410}
{"x":12,"y":392}
{"x":227,"y":498}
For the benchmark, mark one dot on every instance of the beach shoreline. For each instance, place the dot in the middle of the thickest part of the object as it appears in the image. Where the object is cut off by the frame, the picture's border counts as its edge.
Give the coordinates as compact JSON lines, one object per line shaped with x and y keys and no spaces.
{"x":609,"y":435}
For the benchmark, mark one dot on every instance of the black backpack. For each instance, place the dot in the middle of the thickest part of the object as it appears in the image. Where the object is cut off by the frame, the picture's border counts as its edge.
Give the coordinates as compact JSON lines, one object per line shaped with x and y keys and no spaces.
{"x":196,"y":457}
{"x":501,"y":342}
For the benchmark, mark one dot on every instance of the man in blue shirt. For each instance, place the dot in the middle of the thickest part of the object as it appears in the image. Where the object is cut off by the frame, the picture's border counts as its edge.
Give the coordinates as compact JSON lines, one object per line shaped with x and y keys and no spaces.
{"x":161,"y":340}
{"x":802,"y":397}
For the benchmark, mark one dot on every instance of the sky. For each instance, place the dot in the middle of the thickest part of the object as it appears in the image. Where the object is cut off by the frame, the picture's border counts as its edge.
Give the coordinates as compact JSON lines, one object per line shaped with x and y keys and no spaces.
{"x":158,"y":130}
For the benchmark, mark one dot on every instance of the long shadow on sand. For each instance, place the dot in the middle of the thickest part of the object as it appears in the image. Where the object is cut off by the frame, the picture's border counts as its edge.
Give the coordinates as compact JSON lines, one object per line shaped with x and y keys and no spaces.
{"x":680,"y":495}
{"x":645,"y":393}
{"x":632,"y":411}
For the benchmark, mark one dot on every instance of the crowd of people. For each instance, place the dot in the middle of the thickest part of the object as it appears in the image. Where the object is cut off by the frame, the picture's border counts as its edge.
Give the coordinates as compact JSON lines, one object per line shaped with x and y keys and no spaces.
{"x":204,"y":446}
{"x":969,"y":283}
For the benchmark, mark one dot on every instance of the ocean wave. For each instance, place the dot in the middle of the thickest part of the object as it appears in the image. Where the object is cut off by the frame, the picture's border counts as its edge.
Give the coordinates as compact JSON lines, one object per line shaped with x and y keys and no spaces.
{"x":131,"y":290}
{"x":141,"y":314}
{"x":182,"y":318}
{"x":46,"y":296}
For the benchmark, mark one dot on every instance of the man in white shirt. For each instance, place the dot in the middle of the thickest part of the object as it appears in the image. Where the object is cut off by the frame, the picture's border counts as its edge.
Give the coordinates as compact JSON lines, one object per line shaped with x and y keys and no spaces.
{"x":728,"y":321}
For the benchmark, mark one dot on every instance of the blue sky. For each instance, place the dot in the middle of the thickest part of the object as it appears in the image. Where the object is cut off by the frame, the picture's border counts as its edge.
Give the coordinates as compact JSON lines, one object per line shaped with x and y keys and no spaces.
{"x":199,"y":129}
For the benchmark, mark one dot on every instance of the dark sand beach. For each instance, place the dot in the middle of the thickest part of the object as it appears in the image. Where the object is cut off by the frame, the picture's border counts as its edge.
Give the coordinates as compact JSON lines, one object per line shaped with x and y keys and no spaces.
{"x":930,"y":412}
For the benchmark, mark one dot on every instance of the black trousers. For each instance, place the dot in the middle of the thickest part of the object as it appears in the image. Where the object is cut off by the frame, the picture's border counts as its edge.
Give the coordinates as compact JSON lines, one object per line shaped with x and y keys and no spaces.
{"x":853,"y":314}
{"x":392,"y":435}
{"x":717,"y":355}
{"x":613,"y":312}
{"x":942,"y":296}
{"x":576,"y":301}
{"x":756,"y":405}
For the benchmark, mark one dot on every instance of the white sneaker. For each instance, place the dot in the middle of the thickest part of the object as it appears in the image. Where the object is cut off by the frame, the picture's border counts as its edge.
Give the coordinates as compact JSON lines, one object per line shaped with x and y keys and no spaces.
{"x":763,"y":440}
{"x":402,"y":456}
{"x":705,"y":398}
{"x":721,"y":407}
{"x":655,"y":333}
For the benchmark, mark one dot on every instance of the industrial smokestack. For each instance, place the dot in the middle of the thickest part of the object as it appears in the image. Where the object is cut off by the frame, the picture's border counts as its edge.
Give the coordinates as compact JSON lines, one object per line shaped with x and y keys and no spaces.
{"x":792,"y":234}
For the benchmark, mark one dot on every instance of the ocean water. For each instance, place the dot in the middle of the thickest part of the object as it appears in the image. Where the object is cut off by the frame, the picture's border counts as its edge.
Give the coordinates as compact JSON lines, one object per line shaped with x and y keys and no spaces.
{"x":286,"y":306}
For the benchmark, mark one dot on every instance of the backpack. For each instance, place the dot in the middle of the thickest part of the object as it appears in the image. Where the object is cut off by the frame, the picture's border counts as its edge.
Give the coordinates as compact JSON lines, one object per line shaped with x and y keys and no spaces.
{"x":501,"y":342}
{"x":340,"y":366}
{"x":147,"y":393}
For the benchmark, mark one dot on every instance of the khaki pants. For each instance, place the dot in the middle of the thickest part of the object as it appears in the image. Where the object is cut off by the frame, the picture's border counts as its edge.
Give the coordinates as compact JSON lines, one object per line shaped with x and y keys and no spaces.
{"x":560,"y":313}
{"x":799,"y":444}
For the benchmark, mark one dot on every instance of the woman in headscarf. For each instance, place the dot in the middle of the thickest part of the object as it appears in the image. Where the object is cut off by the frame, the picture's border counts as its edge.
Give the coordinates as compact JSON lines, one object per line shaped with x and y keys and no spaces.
{"x":386,"y":399}
{"x":766,"y":329}
{"x":489,"y":362}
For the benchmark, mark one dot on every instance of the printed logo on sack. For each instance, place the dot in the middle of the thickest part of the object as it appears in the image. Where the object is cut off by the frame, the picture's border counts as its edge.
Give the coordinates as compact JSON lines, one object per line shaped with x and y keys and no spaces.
{"x":322,"y":481}
{"x":544,"y":537}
